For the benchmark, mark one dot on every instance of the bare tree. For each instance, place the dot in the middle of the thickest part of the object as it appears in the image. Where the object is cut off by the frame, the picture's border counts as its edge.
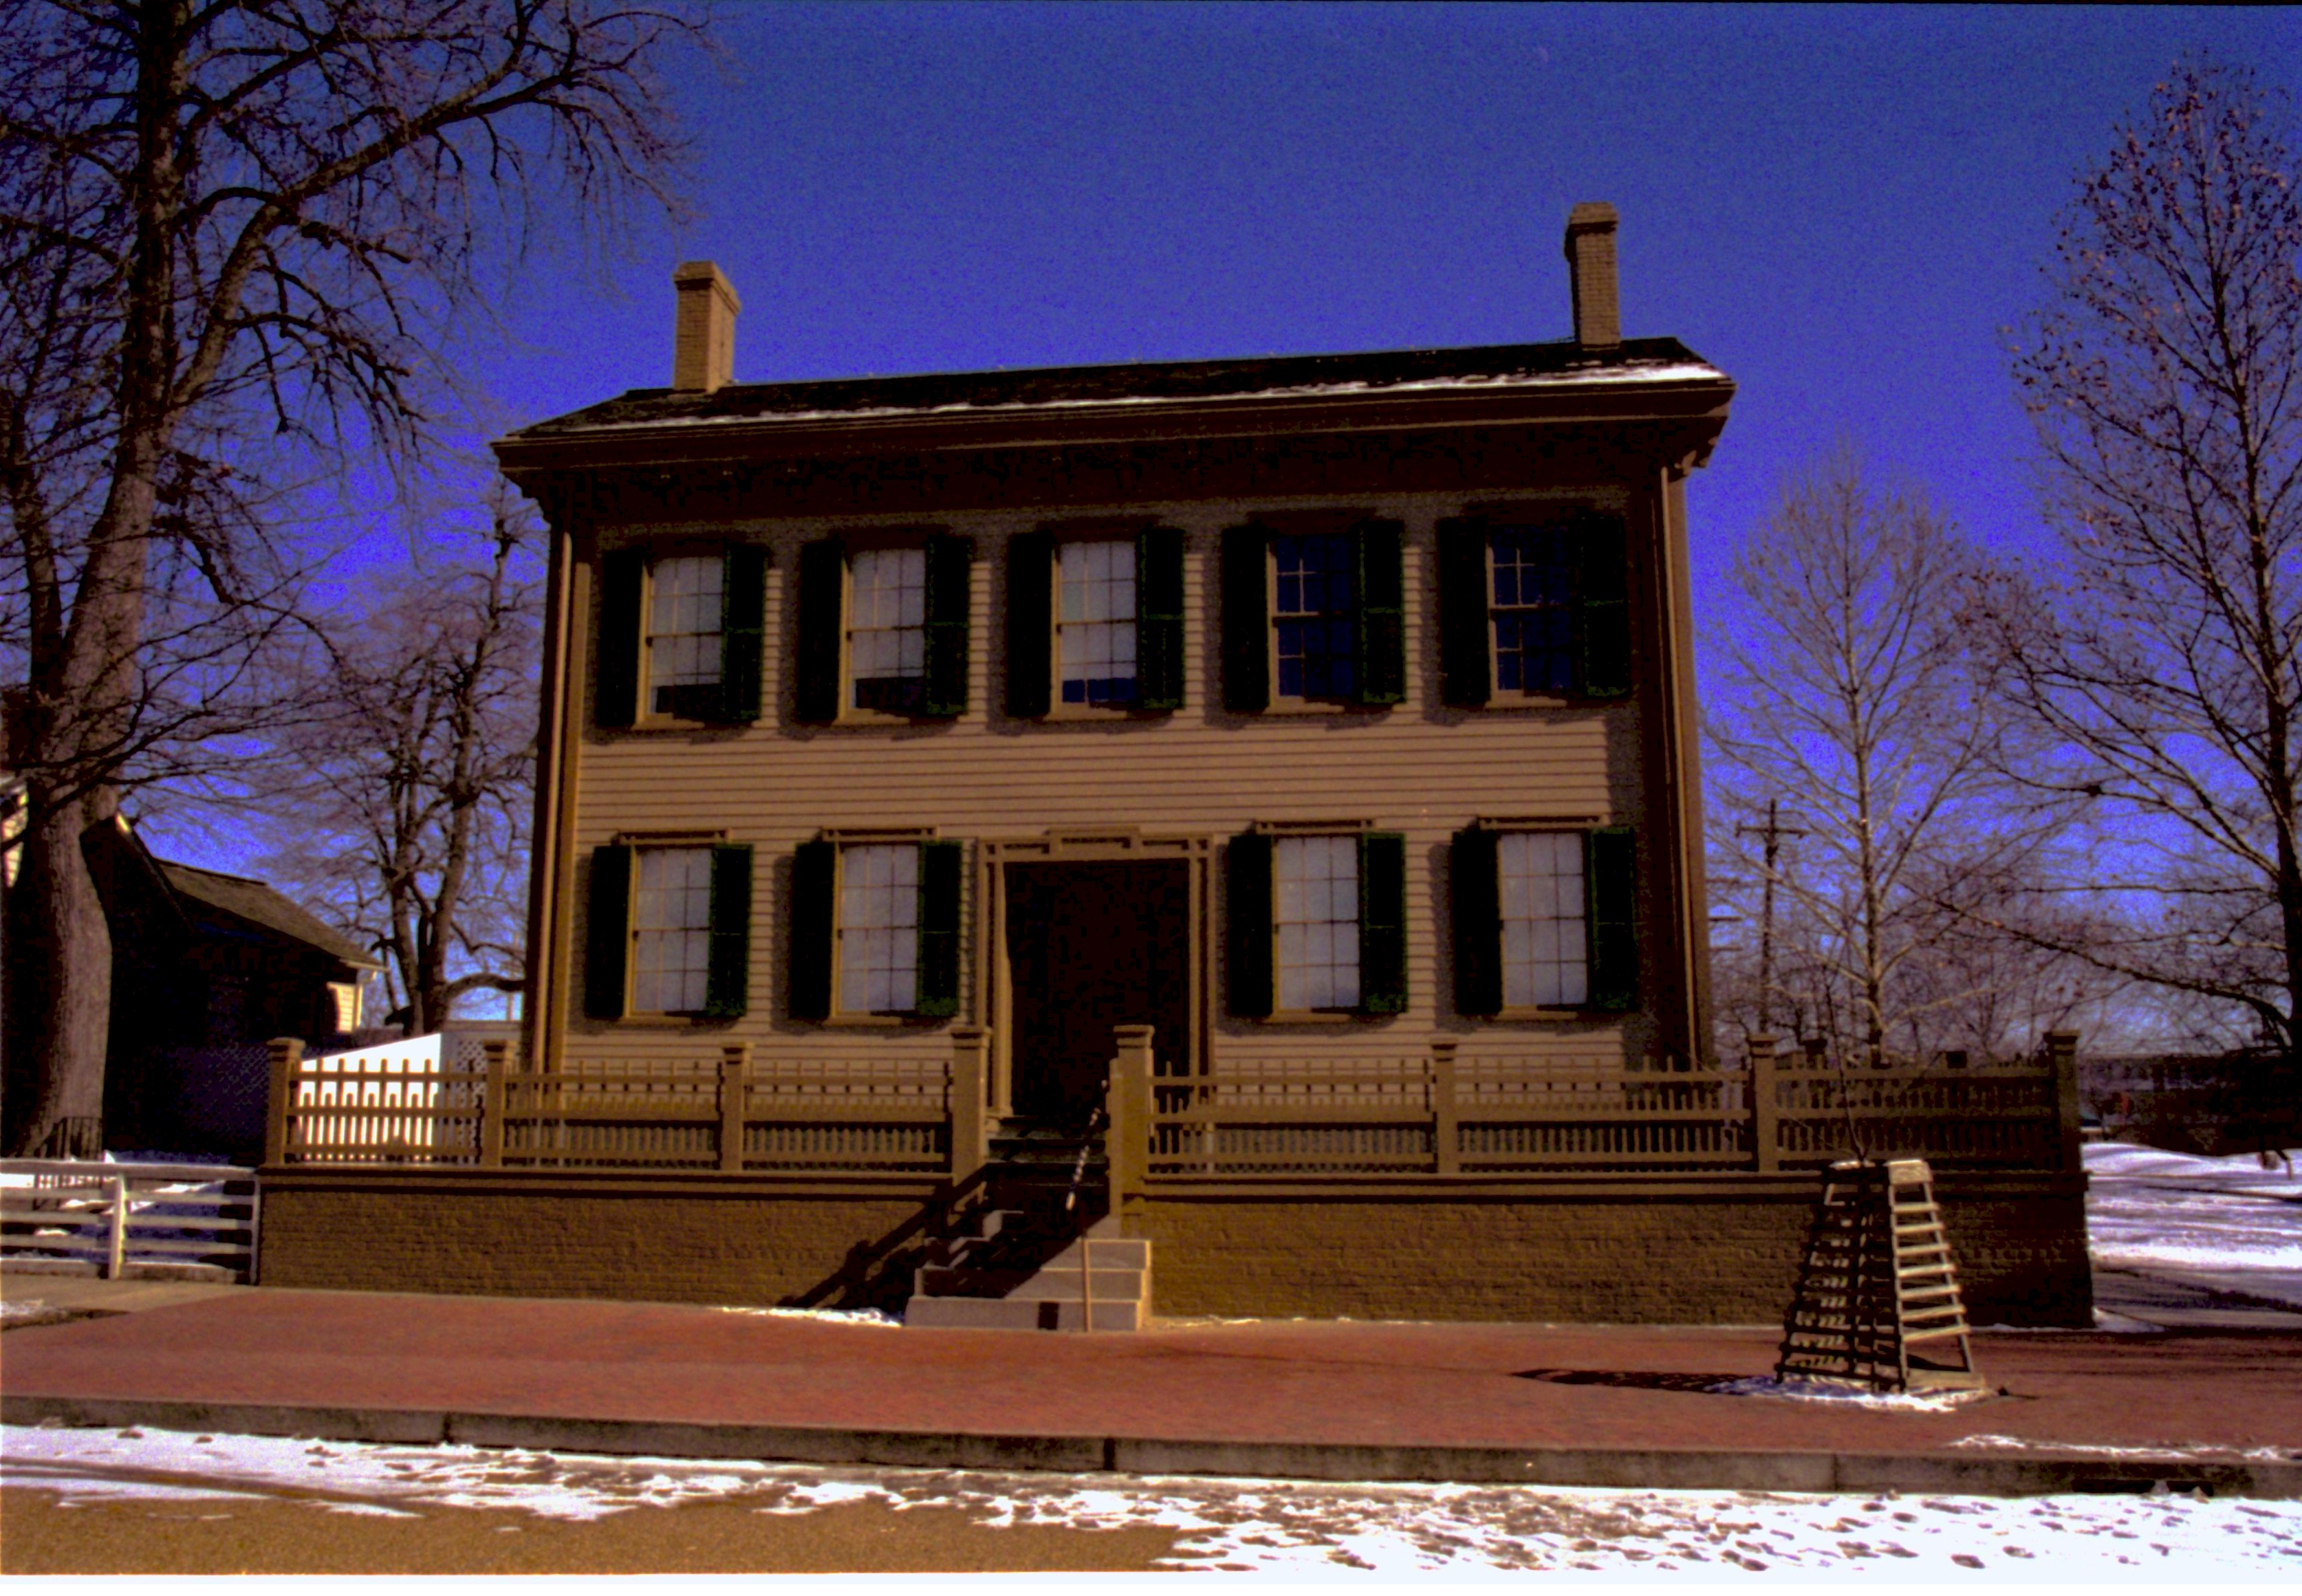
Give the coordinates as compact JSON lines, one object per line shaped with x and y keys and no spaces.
{"x":409,"y":824}
{"x":250,"y":219}
{"x":2162,"y":660}
{"x":1851,"y":707}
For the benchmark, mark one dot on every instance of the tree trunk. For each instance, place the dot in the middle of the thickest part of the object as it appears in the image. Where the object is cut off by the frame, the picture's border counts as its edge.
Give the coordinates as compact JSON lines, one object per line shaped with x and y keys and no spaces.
{"x":59,"y":993}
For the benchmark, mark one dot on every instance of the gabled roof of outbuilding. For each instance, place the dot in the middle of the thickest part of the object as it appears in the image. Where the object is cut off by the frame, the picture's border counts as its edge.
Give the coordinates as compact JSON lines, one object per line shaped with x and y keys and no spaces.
{"x":251,"y":900}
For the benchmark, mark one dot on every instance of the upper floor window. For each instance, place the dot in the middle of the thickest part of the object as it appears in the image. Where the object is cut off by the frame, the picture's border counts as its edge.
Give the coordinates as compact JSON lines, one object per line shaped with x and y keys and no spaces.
{"x":883,"y":629}
{"x":680,"y":636}
{"x":685,"y":596}
{"x":887,"y":630}
{"x":1533,"y":573}
{"x":1314,"y":616}
{"x":1095,"y":623}
{"x":1534,"y":607}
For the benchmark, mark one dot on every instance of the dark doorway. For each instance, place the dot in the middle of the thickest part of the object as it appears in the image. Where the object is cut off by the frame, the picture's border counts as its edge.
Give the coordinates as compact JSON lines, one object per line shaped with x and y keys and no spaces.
{"x":1091,"y":947}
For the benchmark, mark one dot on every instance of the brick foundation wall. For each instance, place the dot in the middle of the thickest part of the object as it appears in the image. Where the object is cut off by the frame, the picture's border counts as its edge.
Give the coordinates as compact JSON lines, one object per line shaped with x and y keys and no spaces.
{"x":1728,"y":1255}
{"x":561,"y":1239}
{"x":1720,"y":1250}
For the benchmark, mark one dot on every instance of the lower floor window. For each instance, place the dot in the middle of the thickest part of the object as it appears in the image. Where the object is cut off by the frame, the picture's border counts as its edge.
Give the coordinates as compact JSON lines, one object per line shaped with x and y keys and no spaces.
{"x":1317,"y":921}
{"x":671,"y":930}
{"x":878,"y":929}
{"x":1545,"y":956}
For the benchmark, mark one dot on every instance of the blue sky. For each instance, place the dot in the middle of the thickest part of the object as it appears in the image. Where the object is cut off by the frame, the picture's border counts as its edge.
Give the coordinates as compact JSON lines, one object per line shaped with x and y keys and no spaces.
{"x":1845,"y":208}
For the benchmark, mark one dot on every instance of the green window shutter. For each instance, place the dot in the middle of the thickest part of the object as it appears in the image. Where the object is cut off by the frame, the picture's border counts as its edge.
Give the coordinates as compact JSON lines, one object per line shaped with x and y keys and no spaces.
{"x":743,"y":632}
{"x":616,"y":690}
{"x":728,"y":979}
{"x":1465,"y":671}
{"x":1245,"y":622}
{"x":1383,"y":612}
{"x":1247,"y":922}
{"x":814,"y":898}
{"x":949,"y":563}
{"x":1603,"y":606}
{"x":1159,"y":619}
{"x":1030,"y":623}
{"x":607,"y":938}
{"x":822,"y":606}
{"x":1612,"y":880}
{"x":1382,"y":923}
{"x":941,"y":866}
{"x":1474,"y":902}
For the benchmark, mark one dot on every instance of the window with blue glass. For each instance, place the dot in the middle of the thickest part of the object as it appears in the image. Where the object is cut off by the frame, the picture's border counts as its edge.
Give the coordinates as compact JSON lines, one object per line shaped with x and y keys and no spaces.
{"x":1533,"y":588}
{"x":1316,"y":616}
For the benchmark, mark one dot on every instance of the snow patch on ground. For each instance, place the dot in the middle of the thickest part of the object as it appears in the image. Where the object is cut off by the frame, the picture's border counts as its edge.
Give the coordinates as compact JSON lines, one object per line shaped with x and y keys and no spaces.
{"x":1237,"y":1524}
{"x":825,"y":1315}
{"x":1850,"y":1396}
{"x":2226,"y":1223}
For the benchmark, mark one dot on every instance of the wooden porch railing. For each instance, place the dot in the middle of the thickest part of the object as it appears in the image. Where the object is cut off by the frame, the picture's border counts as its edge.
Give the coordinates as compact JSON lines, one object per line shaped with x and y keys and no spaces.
{"x":1436,"y":1114}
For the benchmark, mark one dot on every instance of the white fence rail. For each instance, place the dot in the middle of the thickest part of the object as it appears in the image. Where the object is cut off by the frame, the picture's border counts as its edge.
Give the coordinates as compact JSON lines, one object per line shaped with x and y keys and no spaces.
{"x":196,"y":1221}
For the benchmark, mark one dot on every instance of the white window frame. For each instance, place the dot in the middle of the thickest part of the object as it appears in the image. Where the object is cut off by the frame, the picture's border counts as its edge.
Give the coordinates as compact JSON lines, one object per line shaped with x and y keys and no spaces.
{"x":851,"y":679}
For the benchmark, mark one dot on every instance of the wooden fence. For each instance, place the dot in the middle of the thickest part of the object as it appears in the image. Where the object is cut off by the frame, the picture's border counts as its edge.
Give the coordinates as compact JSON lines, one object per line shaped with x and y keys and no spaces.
{"x":1434,"y":1114}
{"x":82,"y":1216}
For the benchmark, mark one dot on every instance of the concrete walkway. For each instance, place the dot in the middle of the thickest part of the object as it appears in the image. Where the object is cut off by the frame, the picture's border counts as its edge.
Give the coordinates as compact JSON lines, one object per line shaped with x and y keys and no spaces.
{"x":1331,"y":1400}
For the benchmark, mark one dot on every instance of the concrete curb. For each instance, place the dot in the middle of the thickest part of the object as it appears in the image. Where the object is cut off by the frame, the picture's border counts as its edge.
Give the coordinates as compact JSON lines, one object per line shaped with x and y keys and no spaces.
{"x":1845,"y":1472}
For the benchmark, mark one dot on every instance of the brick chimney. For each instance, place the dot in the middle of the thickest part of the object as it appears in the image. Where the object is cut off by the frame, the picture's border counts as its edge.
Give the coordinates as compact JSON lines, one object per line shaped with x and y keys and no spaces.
{"x":703,"y":342}
{"x":1590,"y":272}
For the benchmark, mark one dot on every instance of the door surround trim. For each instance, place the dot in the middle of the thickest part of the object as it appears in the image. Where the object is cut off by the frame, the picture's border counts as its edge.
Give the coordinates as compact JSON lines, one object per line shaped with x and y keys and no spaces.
{"x":994,"y":993}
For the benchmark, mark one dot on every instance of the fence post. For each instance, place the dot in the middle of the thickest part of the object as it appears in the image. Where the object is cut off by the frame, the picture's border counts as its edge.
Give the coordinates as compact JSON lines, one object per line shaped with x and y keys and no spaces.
{"x":1446,"y":1137}
{"x":735,"y":1102}
{"x":1127,"y":1142}
{"x":287,"y":1053}
{"x":2063,"y":1056}
{"x":496,"y":1052}
{"x":1766,"y":1110}
{"x":115,"y":1250}
{"x":970,"y":1051}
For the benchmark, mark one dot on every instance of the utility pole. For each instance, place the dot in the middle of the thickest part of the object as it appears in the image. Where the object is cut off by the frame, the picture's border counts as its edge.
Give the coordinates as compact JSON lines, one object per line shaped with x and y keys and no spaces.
{"x":1774,"y":831}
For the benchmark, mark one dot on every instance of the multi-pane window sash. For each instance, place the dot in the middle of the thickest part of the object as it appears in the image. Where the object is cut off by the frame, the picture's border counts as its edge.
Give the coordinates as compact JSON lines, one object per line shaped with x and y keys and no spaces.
{"x":886,"y":634}
{"x":1315,"y":615}
{"x":683,"y":637}
{"x":1534,"y":591}
{"x":1546,"y":962}
{"x":1095,"y":622}
{"x":1317,"y":921}
{"x":671,"y":930}
{"x":878,"y":929}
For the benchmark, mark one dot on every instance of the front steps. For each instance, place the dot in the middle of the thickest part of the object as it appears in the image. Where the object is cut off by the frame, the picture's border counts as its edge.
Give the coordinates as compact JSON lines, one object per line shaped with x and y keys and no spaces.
{"x":1044,"y":1254}
{"x":1114,"y":1284}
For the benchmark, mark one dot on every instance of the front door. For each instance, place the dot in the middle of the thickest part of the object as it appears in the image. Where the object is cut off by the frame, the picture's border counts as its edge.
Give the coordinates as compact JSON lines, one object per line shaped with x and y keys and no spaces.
{"x":1091,"y":947}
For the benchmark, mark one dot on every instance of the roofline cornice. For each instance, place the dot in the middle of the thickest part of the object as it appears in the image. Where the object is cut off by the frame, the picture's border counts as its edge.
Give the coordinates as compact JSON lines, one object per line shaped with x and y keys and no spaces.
{"x":1695,"y":400}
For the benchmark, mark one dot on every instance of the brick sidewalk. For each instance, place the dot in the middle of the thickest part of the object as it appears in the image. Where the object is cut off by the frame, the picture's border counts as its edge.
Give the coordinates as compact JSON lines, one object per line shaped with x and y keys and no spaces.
{"x":1331,"y":1400}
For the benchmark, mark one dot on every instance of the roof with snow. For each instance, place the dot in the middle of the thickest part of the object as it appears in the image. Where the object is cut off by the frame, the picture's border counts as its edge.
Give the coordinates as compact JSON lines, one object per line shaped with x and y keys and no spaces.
{"x":1637,"y":363}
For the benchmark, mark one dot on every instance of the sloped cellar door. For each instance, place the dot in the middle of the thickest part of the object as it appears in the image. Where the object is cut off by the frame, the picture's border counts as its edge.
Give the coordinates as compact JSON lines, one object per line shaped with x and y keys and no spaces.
{"x":1091,"y":947}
